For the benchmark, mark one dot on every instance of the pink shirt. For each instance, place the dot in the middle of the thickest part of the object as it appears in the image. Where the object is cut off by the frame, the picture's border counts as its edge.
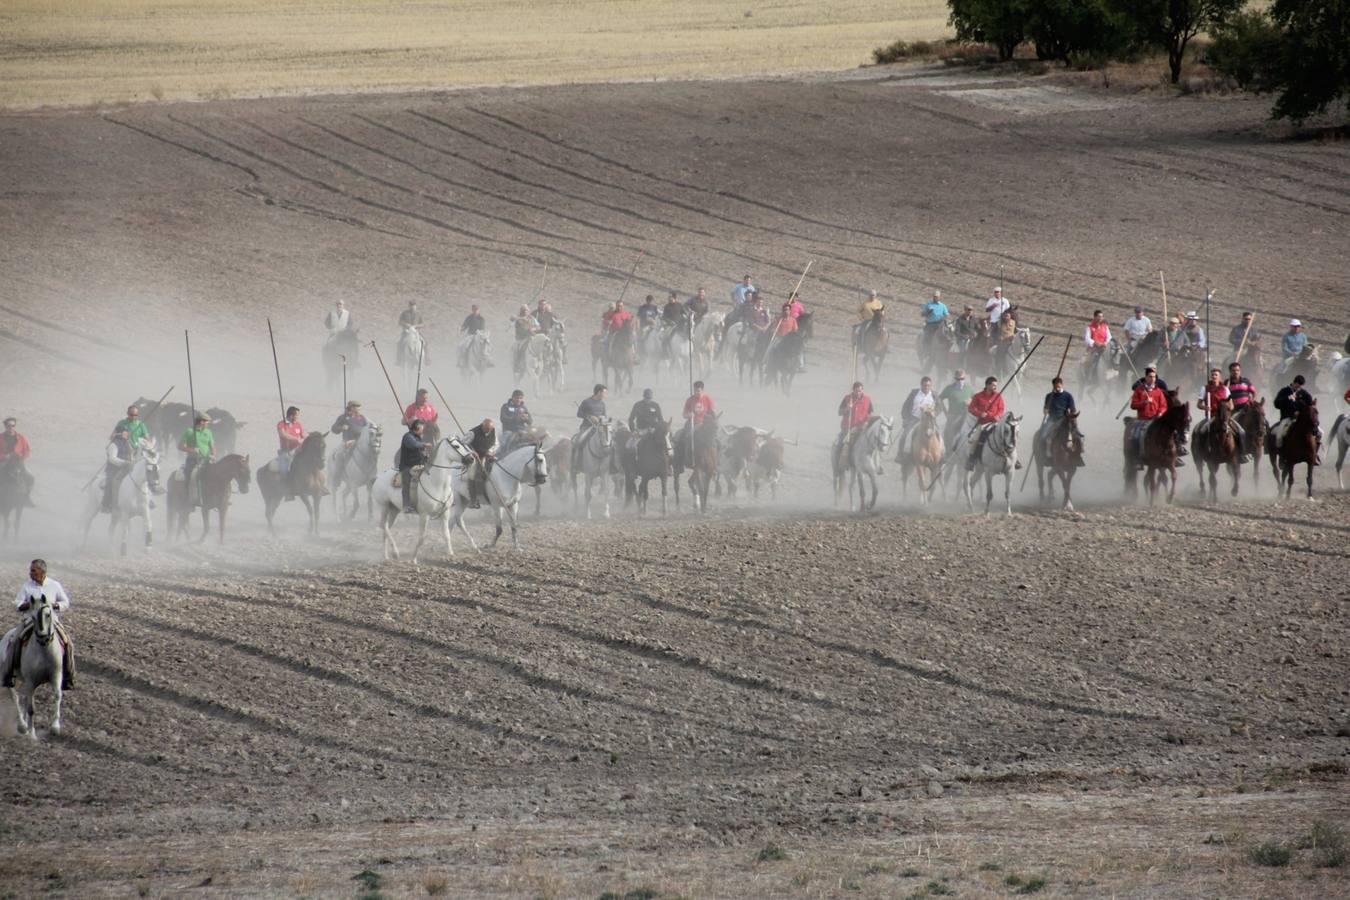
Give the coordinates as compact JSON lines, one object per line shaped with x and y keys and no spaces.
{"x":292,"y":434}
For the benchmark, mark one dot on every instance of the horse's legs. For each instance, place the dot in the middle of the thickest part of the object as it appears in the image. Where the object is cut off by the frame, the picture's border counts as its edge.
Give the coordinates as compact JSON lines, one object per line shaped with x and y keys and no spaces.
{"x":421,"y":536}
{"x":1310,"y":466}
{"x":497,"y":514}
{"x":1066,"y":478}
{"x":1007,"y":489}
{"x":387,"y":517}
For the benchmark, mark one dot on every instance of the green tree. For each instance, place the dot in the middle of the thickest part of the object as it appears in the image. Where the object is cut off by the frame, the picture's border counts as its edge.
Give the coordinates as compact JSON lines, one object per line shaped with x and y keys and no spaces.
{"x":1172,"y":24}
{"x":1313,"y":68}
{"x":1068,"y":29}
{"x":998,"y":22}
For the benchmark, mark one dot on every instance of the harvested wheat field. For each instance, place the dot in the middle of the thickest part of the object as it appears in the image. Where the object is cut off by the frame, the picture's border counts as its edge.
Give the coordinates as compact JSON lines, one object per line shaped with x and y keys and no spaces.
{"x":775,"y":697}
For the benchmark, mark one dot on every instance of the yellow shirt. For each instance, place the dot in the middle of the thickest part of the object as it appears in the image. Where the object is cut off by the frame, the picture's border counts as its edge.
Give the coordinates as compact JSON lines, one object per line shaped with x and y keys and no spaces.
{"x":869,"y":307}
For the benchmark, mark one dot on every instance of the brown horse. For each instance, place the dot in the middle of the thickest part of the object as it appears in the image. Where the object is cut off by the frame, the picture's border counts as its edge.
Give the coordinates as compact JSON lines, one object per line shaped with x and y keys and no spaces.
{"x":923,"y":456}
{"x":1060,"y":450}
{"x":875,"y":342}
{"x":620,"y":358}
{"x":701,"y":454}
{"x":304,"y":480}
{"x":1251,"y":418}
{"x":217,"y":480}
{"x":1298,"y":446}
{"x":1155,"y":450}
{"x":1216,"y":445}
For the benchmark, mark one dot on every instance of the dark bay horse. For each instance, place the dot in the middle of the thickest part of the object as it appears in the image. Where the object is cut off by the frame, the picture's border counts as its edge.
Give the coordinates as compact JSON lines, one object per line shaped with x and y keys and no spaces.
{"x":1060,"y":449}
{"x":699,"y":455}
{"x":651,"y":460}
{"x":1156,"y":449}
{"x":874,"y":344}
{"x":304,"y":480}
{"x":217,"y":482}
{"x":784,"y":355}
{"x":1297,"y":446}
{"x":620,"y":358}
{"x":1251,"y":418}
{"x":13,"y":494}
{"x":1215,"y":444}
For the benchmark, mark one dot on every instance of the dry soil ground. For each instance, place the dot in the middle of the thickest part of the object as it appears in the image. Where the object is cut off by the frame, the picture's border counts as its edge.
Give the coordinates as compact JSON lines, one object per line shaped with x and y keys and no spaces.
{"x":1124,"y":701}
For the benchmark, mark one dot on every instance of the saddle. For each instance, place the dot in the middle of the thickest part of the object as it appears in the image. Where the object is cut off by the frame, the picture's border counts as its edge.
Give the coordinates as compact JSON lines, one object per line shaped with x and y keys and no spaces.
{"x":416,"y":472}
{"x":9,"y":666}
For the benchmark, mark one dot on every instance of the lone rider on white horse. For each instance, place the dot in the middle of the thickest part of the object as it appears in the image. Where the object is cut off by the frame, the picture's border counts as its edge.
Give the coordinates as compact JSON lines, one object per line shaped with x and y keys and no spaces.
{"x":37,"y":586}
{"x":591,"y":412}
{"x":348,"y":428}
{"x":200,"y":446}
{"x":525,"y":326}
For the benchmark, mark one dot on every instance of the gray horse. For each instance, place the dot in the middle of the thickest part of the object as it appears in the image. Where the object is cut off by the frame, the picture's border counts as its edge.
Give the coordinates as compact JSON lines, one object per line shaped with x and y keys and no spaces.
{"x":41,"y":661}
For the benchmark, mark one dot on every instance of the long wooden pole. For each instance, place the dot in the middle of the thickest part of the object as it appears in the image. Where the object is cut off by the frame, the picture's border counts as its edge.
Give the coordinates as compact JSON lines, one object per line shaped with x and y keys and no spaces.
{"x":1208,"y":341}
{"x":631,"y":276}
{"x":344,"y":380}
{"x":1167,"y":340}
{"x":1024,"y":361}
{"x":539,"y":294}
{"x":1067,"y":345}
{"x":192,"y":396}
{"x":276,"y":367}
{"x":792,"y":296}
{"x":1246,"y":331}
{"x":392,"y":390}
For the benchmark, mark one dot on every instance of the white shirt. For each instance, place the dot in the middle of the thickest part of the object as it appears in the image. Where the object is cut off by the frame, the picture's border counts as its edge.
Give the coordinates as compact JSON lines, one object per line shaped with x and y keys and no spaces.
{"x":996,"y":307}
{"x":50,"y":588}
{"x":1138,"y":327}
{"x":920,"y":401}
{"x":337,"y":321}
{"x":1087,"y":336}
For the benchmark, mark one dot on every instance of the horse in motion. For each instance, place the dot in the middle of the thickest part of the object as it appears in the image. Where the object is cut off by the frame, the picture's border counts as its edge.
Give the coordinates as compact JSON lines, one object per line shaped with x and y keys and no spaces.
{"x":305,"y":479}
{"x":1251,"y":418}
{"x":619,"y":357}
{"x":1152,"y":446}
{"x":350,"y":470}
{"x":1216,"y":444}
{"x":699,"y":450}
{"x":474,"y":355}
{"x":997,"y":455}
{"x":432,"y":496}
{"x":1293,"y":445}
{"x":131,"y":500}
{"x":14,"y":495}
{"x":526,"y":466}
{"x":216,"y":483}
{"x":707,"y":341}
{"x":345,"y":344}
{"x":858,"y":455}
{"x":1058,"y":446}
{"x":650,"y":460}
{"x":411,"y":352}
{"x":592,"y":453}
{"x":784,"y":357}
{"x":932,"y":349}
{"x":41,"y":660}
{"x":1009,"y":355}
{"x":1340,"y":433}
{"x":923,"y":456}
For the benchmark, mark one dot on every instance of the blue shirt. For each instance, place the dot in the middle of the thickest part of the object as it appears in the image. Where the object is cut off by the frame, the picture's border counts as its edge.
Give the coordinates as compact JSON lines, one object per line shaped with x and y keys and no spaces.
{"x":934,"y":311}
{"x":1057,"y":405}
{"x":1293,"y":343}
{"x":739,"y":291}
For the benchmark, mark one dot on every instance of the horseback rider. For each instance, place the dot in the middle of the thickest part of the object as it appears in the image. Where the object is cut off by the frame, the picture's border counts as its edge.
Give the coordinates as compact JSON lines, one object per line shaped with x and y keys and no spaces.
{"x":795,"y":307}
{"x":1177,"y":339}
{"x":36,"y":587}
{"x":966,"y":327}
{"x":1241,"y":330}
{"x":1215,"y":392}
{"x":867,"y":313}
{"x":934,"y":313}
{"x":421,"y":408}
{"x":672,"y":313}
{"x":339,"y":319}
{"x":348,"y":427}
{"x":412,"y":453}
{"x":199,"y":445}
{"x":410,"y":317}
{"x":132,"y":428}
{"x":854,"y":411}
{"x":1149,"y":401}
{"x":756,"y":316}
{"x":697,"y":407}
{"x":996,"y":306}
{"x":290,"y":435}
{"x":1290,"y":401}
{"x":591,"y":412}
{"x":643,"y":418}
{"x":988,"y":408}
{"x":648,"y":313}
{"x":1058,"y":404}
{"x":1195,"y":335}
{"x":545,"y":319}
{"x":911,"y":411}
{"x":1005,"y":331}
{"x":525,"y":326}
{"x":14,"y":446}
{"x":123,"y":446}
{"x":1294,"y":341}
{"x":740,"y":294}
{"x":481,"y":440}
{"x":956,"y":396}
{"x":473,"y":322}
{"x":698,"y":305}
{"x":1240,"y":390}
{"x":1097,"y":337}
{"x":516,"y":420}
{"x":617,"y":321}
{"x":1136,"y":328}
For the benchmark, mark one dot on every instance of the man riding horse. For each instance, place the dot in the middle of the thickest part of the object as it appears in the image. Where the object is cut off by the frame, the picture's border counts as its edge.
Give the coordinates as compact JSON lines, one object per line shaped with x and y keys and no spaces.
{"x":37,"y":587}
{"x":1096,"y":337}
{"x":933,"y":313}
{"x":854,"y":411}
{"x":1059,"y":403}
{"x":591,"y":412}
{"x":516,"y":420}
{"x":697,"y":407}
{"x":987,"y":407}
{"x":15,"y":451}
{"x":412,"y":454}
{"x":1290,"y":401}
{"x":481,"y":440}
{"x":867,"y":315}
{"x":199,"y":446}
{"x":643,"y":418}
{"x":348,"y":428}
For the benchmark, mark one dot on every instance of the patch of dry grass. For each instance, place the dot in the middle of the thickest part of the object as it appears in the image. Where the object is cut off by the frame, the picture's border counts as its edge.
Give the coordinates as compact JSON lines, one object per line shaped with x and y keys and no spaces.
{"x":85,"y":52}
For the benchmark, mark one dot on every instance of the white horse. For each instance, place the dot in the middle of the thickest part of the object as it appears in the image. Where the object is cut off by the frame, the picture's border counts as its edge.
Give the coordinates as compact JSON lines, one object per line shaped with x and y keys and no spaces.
{"x":411,"y":348}
{"x":998,"y":456}
{"x":432,"y":496}
{"x":351,"y":470}
{"x":592,"y":456}
{"x":474,"y":354}
{"x":707,"y":336}
{"x":1340,"y":433}
{"x":523,"y":467}
{"x":864,"y":459}
{"x":41,"y":661}
{"x":535,"y":360}
{"x":132,"y":500}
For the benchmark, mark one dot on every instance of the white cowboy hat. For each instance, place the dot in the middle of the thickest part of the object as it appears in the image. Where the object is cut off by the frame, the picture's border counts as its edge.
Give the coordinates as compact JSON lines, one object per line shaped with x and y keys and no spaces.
{"x":1295,"y":323}
{"x":1192,"y":315}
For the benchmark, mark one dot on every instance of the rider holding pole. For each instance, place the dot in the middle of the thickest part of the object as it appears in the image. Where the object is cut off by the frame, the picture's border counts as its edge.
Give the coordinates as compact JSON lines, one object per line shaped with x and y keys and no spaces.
{"x":200,"y":446}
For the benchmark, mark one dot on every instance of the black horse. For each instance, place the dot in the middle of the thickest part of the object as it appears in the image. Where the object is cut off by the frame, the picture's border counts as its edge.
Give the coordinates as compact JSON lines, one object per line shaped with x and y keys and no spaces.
{"x":650,"y":459}
{"x":784,"y":357}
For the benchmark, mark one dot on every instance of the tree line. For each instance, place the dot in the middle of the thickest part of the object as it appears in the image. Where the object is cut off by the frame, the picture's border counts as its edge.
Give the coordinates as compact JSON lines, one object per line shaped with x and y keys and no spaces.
{"x":1298,"y":49}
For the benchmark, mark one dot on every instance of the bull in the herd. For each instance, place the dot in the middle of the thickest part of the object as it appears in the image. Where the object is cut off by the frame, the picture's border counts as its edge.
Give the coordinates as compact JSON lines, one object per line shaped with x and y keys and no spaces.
{"x":215,"y":483}
{"x":131,"y":499}
{"x":1292,"y":446}
{"x":304,"y":478}
{"x":1058,"y":446}
{"x":993,"y":449}
{"x":559,"y":458}
{"x":739,"y":448}
{"x":225,"y":428}
{"x":1151,"y":445}
{"x":767,"y":467}
{"x":165,"y":421}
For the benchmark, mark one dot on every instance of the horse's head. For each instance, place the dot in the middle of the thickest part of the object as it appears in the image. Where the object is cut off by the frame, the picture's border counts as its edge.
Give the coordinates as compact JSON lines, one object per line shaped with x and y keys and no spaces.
{"x":150,"y":460}
{"x":885,"y":427}
{"x":44,"y":622}
{"x":539,"y":463}
{"x":606,"y":431}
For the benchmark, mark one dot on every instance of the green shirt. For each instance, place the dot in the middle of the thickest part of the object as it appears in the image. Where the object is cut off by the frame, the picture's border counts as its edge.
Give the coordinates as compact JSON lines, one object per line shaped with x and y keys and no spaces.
{"x":200,"y":443}
{"x":136,"y":431}
{"x":955,"y":396}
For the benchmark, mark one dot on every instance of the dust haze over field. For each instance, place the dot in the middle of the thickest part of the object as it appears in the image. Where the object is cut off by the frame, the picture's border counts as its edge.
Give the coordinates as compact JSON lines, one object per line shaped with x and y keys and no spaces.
{"x":1121,"y":700}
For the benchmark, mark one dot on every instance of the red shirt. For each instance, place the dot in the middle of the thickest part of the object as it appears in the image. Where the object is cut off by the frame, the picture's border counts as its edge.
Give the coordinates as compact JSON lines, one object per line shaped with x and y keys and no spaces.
{"x":1098,"y":331}
{"x":1149,"y":403}
{"x":795,"y":309}
{"x":786,"y":326}
{"x":292,"y":434}
{"x":695,"y":408}
{"x":620,"y":319}
{"x":1215,"y":394}
{"x":987,"y":407}
{"x":426,"y":412}
{"x":858,"y":415}
{"x":21,"y":448}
